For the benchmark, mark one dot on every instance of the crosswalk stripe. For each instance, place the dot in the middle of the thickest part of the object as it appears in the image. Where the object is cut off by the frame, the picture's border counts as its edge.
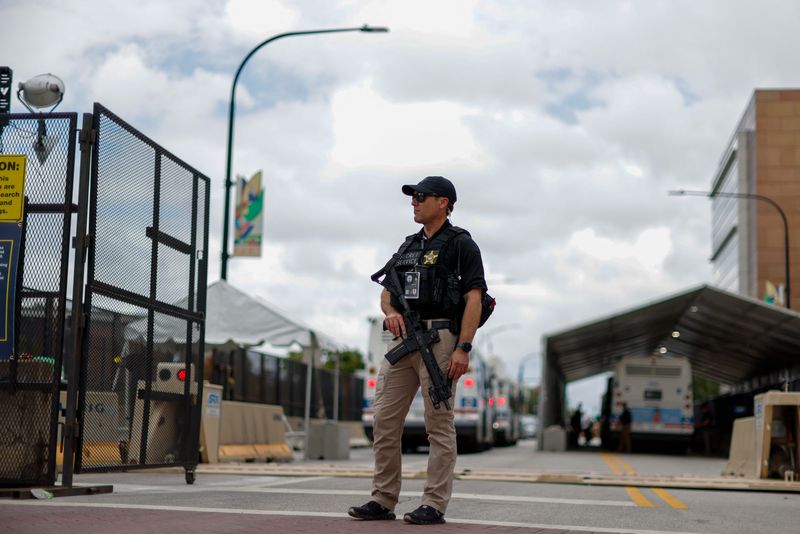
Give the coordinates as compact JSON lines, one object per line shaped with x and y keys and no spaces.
{"x":122,"y":489}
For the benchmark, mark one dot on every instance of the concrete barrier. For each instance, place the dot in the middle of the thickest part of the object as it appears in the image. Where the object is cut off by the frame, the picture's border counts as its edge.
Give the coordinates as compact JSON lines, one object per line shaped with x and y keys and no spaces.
{"x":357,"y":436}
{"x":356,"y":429}
{"x":328,"y":440}
{"x":252,"y":432}
{"x":554,"y":439}
{"x":742,"y":456}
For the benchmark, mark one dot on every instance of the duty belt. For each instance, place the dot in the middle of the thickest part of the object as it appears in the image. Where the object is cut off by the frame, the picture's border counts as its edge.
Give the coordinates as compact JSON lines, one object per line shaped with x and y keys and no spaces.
{"x":438,"y":324}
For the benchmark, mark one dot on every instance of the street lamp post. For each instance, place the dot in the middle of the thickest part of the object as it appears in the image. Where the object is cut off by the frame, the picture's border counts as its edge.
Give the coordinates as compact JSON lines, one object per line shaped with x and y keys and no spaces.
{"x":496,"y":330}
{"x":231,"y":108}
{"x":749,"y":196}
{"x":521,"y":370}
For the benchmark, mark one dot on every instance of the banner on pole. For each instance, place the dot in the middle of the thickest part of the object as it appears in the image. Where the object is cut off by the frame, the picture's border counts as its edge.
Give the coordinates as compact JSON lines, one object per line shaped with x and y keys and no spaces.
{"x":12,"y":203}
{"x":249,"y":226}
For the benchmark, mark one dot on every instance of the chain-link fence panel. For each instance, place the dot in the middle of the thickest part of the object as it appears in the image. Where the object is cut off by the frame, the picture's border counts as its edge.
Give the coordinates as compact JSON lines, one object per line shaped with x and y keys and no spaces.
{"x":249,"y":376}
{"x":30,"y":380}
{"x":141,"y":367}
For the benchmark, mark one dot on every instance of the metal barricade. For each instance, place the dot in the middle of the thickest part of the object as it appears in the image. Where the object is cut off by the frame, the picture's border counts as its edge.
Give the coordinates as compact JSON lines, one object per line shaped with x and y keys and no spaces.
{"x":142,"y":350}
{"x":30,"y":380}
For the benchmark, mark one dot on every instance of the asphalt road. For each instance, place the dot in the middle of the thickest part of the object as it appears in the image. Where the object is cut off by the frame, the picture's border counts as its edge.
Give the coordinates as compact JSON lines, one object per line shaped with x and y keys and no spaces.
{"x":242,"y":501}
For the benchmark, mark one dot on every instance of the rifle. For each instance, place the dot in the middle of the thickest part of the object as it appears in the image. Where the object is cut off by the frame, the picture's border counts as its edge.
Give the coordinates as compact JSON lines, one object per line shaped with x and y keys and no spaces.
{"x":417,"y":339}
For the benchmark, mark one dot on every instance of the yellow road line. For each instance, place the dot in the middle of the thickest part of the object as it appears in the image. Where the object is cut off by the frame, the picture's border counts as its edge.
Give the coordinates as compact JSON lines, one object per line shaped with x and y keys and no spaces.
{"x":610,"y":462}
{"x":669,"y":499}
{"x":618,"y":467}
{"x":638,"y":497}
{"x":628,"y":469}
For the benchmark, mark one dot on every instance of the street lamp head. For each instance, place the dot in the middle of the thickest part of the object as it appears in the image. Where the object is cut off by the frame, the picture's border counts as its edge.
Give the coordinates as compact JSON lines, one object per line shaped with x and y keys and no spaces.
{"x":41,"y":91}
{"x":374,"y":29}
{"x":685,"y":193}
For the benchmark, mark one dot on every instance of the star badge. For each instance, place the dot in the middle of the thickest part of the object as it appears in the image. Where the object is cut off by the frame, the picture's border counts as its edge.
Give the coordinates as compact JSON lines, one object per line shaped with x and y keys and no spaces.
{"x":430,"y":258}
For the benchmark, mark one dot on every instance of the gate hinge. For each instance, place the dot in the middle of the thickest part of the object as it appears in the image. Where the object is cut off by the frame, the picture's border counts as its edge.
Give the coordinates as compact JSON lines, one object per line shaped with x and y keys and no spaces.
{"x":87,"y":241}
{"x":87,"y":137}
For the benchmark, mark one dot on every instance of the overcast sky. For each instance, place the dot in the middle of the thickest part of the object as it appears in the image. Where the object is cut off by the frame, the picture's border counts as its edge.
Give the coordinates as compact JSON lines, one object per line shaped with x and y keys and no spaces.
{"x":562,"y":124}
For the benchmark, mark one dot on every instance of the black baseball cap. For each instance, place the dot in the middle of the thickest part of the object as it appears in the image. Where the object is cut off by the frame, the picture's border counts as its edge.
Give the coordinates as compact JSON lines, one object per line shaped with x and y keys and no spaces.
{"x":433,"y":185}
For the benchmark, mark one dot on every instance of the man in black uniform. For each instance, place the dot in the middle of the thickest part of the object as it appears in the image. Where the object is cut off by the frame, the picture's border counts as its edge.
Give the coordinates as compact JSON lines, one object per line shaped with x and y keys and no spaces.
{"x":443,"y":280}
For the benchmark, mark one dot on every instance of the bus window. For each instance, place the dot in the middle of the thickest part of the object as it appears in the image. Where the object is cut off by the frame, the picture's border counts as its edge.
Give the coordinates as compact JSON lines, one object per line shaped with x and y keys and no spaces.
{"x":652,"y":394}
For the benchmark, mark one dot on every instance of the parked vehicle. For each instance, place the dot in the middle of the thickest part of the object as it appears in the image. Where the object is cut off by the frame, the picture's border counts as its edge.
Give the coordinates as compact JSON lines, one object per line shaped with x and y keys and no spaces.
{"x":529,"y":426}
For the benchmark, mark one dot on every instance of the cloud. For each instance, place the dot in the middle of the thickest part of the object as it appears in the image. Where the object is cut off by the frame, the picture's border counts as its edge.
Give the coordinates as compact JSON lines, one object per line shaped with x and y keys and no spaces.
{"x":430,"y":133}
{"x":563,"y":124}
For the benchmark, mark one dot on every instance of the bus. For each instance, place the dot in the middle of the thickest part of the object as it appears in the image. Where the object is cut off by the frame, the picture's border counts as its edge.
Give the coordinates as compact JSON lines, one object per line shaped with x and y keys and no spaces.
{"x":472,"y":410}
{"x":658,"y":392}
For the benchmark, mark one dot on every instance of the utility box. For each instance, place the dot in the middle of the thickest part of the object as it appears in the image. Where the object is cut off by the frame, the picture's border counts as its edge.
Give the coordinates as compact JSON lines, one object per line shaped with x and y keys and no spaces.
{"x":210,"y":420}
{"x":777,"y":421}
{"x":328,"y":440}
{"x":167,"y":424}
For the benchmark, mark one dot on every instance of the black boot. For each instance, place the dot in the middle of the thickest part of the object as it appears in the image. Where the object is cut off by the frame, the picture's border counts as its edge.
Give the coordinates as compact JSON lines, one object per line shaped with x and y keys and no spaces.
{"x":371,"y":511}
{"x":424,"y":515}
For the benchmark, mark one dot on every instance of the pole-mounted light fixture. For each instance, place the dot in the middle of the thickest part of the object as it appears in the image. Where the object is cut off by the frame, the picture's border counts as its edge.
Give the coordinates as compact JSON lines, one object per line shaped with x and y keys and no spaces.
{"x":232,"y":106}
{"x":41,"y":91}
{"x":749,"y":196}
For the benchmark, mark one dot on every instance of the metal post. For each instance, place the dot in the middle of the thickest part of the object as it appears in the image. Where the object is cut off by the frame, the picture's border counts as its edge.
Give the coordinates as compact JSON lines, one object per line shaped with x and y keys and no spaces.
{"x":232,"y":108}
{"x":72,"y":361}
{"x":336,"y":377}
{"x":309,"y":372}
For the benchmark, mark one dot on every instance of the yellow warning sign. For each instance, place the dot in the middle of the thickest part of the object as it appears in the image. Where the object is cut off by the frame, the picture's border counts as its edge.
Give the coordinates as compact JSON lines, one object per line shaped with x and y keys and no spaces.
{"x":12,"y":187}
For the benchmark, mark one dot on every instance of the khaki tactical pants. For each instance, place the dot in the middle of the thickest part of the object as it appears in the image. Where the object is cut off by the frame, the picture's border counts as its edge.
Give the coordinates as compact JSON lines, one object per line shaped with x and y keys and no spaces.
{"x":397,"y":385}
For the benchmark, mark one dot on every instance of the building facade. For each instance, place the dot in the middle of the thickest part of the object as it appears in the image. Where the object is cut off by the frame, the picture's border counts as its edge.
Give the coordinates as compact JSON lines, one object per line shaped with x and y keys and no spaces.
{"x":748,"y":236}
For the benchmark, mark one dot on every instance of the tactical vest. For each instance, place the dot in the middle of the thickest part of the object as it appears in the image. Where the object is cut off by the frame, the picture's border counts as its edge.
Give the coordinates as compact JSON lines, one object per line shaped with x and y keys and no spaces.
{"x":430,"y":286}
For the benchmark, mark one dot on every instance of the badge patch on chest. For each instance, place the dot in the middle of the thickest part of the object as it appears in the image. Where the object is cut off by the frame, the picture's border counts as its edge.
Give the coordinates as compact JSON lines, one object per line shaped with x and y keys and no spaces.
{"x":430,"y":258}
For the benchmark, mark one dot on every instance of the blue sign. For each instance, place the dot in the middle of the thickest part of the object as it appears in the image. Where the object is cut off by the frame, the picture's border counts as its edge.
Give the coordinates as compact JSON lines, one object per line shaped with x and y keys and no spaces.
{"x":9,"y":254}
{"x":469,"y":402}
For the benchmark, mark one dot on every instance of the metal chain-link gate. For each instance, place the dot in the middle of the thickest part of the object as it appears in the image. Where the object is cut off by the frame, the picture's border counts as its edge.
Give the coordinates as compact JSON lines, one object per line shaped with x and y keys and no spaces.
{"x":31,"y":377}
{"x":142,"y":354}
{"x":122,"y":361}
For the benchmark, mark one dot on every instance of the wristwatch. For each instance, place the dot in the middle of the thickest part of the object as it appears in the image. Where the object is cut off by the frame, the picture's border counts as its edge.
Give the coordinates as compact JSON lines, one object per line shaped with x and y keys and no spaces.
{"x":466,"y":346}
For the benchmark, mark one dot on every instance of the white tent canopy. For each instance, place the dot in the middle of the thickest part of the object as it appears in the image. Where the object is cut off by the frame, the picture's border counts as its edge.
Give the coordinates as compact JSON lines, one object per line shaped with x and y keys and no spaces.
{"x":234,"y":318}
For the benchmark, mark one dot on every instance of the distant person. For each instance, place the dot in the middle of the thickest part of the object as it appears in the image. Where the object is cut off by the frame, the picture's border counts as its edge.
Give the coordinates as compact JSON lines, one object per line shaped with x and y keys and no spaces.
{"x":588,"y":431}
{"x":625,"y":420}
{"x":706,"y":427}
{"x":575,"y":423}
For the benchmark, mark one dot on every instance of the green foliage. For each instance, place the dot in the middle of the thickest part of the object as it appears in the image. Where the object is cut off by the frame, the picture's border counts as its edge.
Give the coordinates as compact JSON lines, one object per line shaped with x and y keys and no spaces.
{"x":531,"y":401}
{"x":351,"y":360}
{"x":704,"y":389}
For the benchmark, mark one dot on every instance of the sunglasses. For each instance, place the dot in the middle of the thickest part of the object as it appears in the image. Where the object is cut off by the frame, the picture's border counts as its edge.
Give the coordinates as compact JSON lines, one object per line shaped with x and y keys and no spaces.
{"x":420,"y":197}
